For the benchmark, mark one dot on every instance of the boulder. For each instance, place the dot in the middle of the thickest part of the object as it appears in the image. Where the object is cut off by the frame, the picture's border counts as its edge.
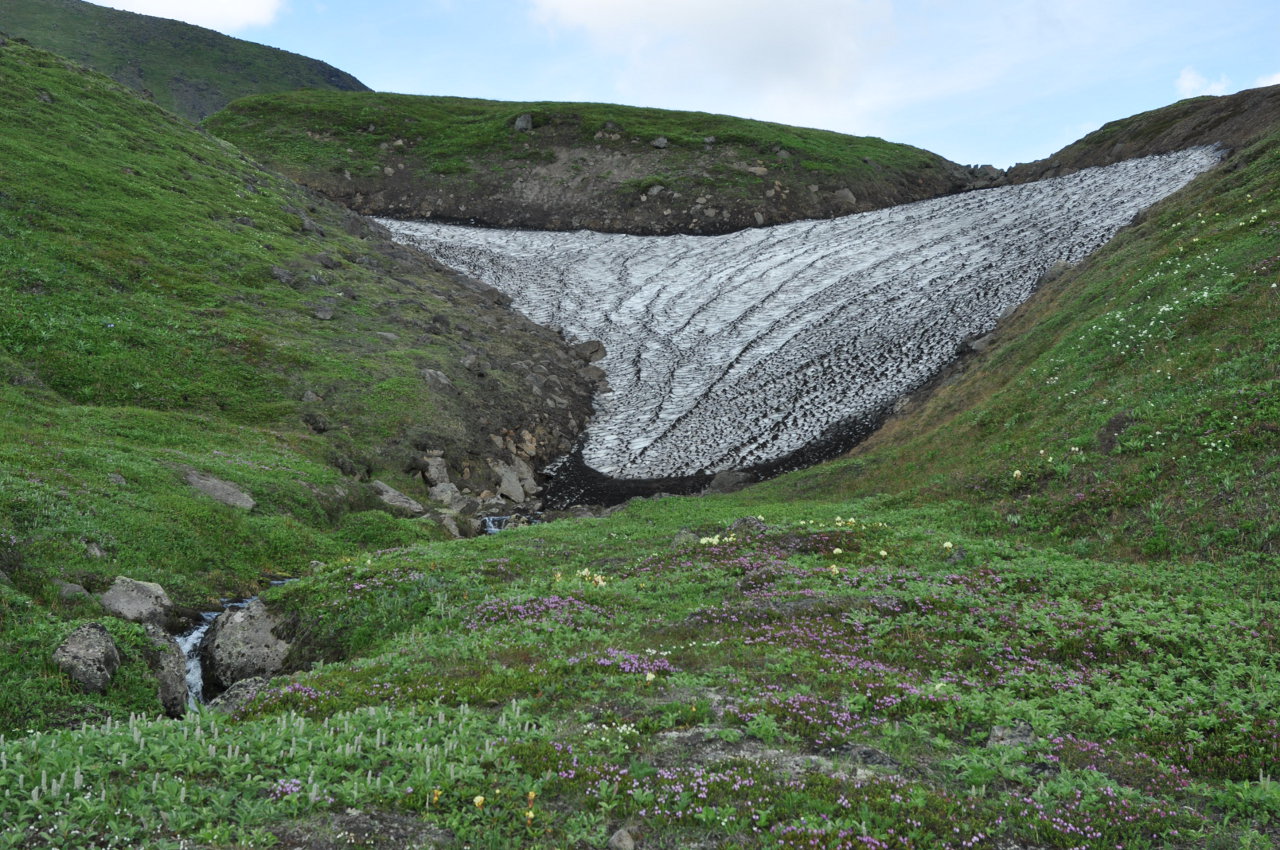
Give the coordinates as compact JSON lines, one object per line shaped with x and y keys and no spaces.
{"x":393,"y":498}
{"x":1020,"y":734}
{"x":621,"y":840}
{"x":449,"y":496}
{"x":219,"y":490}
{"x":137,"y":601}
{"x":89,"y":657}
{"x":169,"y":665}
{"x":69,"y":590}
{"x":729,"y":481}
{"x":240,"y":645}
{"x":590,"y":351}
{"x":238,"y":695}
{"x":660,"y":142}
{"x":437,"y":471}
{"x":509,"y":485}
{"x":524,"y":123}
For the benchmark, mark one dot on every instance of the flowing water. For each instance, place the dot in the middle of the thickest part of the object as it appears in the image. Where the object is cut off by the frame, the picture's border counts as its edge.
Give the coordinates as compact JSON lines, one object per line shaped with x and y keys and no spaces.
{"x":727,"y":352}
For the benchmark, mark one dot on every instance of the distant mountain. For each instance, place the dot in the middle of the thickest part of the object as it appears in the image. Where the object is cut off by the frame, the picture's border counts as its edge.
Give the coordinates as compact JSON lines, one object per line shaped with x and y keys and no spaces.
{"x":187,"y":69}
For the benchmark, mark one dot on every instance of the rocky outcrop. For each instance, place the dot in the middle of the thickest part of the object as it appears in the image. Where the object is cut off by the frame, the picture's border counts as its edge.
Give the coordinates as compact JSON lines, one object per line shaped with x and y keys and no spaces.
{"x":169,"y":666}
{"x":397,"y":501}
{"x":219,"y":490}
{"x":242,"y":644}
{"x":89,"y":657}
{"x":1232,"y":121}
{"x":137,"y":601}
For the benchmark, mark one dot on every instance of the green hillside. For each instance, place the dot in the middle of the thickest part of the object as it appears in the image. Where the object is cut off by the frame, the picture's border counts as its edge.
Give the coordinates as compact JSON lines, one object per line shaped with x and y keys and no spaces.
{"x":168,"y":307}
{"x":187,"y":69}
{"x":1040,"y":609}
{"x":562,"y":166}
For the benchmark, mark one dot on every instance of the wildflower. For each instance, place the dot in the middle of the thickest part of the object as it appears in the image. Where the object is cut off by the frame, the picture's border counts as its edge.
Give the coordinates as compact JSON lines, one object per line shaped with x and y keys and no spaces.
{"x":650,"y":676}
{"x":1017,"y":473}
{"x":558,"y":575}
{"x":479,"y":801}
{"x":948,"y":546}
{"x":835,"y":571}
{"x":530,"y":796}
{"x":883,"y":554}
{"x":528,"y":816}
{"x":837,"y":551}
{"x":435,"y":796}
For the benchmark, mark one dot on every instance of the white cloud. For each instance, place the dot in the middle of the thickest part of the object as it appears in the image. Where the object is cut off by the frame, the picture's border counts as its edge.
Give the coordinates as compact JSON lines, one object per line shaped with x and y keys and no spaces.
{"x":1271,"y":80}
{"x":1191,"y":83}
{"x":225,"y":15}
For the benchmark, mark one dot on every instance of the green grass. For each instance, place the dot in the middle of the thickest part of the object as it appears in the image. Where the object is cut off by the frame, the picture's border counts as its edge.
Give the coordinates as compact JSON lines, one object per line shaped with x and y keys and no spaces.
{"x":731,"y":692}
{"x":158,"y":314}
{"x":1075,"y":537}
{"x":188,"y":70}
{"x":1128,"y":409}
{"x":325,"y":138}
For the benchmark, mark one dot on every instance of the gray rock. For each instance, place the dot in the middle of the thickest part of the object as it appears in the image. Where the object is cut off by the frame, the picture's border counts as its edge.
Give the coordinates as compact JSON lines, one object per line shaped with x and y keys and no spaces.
{"x":524,"y":123}
{"x":590,"y":351}
{"x":448,"y":495}
{"x":310,"y":397}
{"x":524,"y":472}
{"x":1018,"y":735}
{"x":170,"y":668}
{"x":622,"y":840}
{"x":242,"y":645}
{"x":137,"y":601}
{"x":219,"y":490}
{"x":323,"y":313}
{"x":846,"y":197}
{"x":748,"y":525}
{"x":89,"y":657}
{"x":729,"y":481}
{"x":437,"y":471}
{"x":69,"y":590}
{"x":685,"y":538}
{"x":437,"y":379}
{"x":116,"y":478}
{"x":238,"y":695}
{"x":393,"y":498}
{"x":509,"y":485}
{"x":660,"y":142}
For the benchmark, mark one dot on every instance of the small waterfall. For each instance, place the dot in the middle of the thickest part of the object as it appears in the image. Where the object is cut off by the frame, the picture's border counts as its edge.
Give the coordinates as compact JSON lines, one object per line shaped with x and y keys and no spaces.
{"x":494,"y":524}
{"x":190,"y":642}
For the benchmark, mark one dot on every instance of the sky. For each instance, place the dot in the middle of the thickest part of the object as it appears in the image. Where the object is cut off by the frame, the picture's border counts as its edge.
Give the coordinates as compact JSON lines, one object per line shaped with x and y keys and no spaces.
{"x":977,"y":81}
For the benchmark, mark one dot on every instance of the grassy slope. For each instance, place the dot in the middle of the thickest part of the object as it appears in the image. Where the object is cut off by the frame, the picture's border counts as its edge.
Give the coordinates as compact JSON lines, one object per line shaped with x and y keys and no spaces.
{"x":465,"y":151}
{"x":187,"y":69}
{"x":831,"y":682}
{"x":146,"y":328}
{"x":1135,"y":395}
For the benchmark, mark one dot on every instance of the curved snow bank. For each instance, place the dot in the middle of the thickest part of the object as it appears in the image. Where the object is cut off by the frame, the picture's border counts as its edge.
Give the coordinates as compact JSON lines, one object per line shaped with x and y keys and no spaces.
{"x":732,"y":351}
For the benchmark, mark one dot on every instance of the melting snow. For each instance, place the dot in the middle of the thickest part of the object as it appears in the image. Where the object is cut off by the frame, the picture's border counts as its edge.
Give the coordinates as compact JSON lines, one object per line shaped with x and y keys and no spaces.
{"x":725,"y":352}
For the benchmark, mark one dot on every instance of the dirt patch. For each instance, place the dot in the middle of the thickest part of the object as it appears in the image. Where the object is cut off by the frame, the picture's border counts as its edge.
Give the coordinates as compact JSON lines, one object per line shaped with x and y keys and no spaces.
{"x":355,"y":828}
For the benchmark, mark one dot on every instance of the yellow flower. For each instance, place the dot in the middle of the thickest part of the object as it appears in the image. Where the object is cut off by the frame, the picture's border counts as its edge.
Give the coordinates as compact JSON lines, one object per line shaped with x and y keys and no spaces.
{"x":1017,"y":473}
{"x":650,"y":676}
{"x":947,"y":545}
{"x":530,"y":796}
{"x":837,"y":551}
{"x":835,"y":571}
{"x":883,"y":554}
{"x":528,"y":815}
{"x":479,"y":801}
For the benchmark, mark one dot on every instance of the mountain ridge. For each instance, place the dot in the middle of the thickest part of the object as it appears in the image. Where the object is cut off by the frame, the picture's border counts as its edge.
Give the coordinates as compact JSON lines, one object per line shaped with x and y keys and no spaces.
{"x":187,"y":69}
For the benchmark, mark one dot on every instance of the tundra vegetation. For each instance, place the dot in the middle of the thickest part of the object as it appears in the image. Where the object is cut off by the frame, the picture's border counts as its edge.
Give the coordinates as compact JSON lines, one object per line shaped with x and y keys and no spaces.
{"x":1039,"y":610}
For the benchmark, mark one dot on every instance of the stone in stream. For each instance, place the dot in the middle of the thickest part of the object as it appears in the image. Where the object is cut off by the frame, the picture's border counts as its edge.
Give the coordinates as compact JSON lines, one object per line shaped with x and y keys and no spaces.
{"x":240,"y":645}
{"x":169,"y":665}
{"x":89,"y":657}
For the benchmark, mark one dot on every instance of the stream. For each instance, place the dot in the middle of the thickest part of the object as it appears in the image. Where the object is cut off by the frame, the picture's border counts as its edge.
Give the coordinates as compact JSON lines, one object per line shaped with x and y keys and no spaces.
{"x":739,"y":351}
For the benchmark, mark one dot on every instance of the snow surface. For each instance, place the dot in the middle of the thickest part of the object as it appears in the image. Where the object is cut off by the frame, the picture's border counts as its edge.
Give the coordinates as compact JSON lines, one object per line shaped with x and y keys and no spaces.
{"x":725,"y":352}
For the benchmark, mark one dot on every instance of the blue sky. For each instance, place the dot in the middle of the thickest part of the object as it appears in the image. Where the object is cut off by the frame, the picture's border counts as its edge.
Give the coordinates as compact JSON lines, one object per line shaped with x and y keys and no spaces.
{"x":977,"y":81}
